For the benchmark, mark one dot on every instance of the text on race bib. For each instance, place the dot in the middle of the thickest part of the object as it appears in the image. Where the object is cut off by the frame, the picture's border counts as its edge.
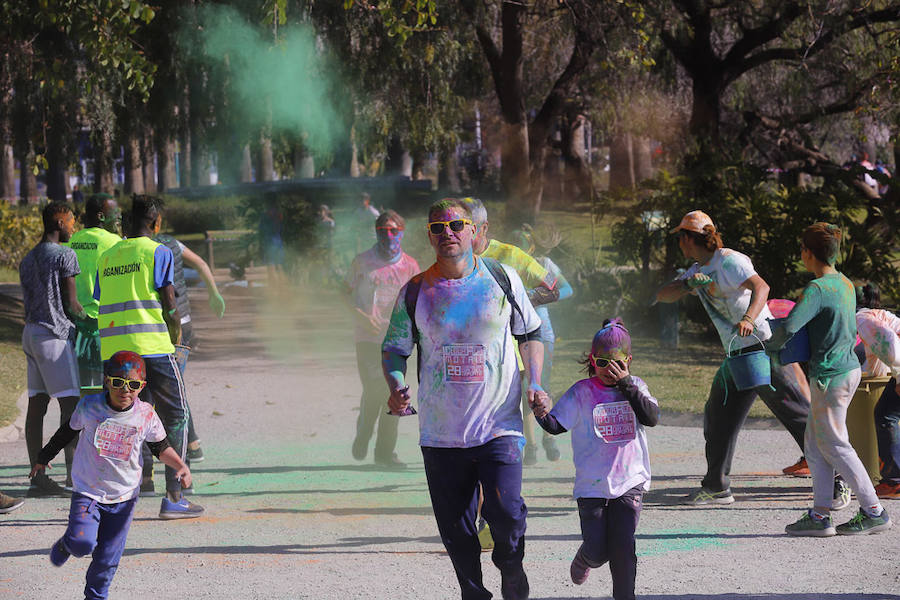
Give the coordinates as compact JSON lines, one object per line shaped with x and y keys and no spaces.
{"x":464,"y":363}
{"x":614,"y":422}
{"x":115,"y":440}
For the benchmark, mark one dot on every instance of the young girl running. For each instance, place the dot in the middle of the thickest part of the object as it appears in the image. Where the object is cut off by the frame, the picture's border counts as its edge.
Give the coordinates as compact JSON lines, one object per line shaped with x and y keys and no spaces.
{"x":106,"y":472}
{"x":827,"y":309}
{"x":606,"y":414}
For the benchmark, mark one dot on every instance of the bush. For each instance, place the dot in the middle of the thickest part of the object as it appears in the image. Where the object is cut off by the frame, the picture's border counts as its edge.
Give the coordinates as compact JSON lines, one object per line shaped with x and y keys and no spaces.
{"x":20,"y":230}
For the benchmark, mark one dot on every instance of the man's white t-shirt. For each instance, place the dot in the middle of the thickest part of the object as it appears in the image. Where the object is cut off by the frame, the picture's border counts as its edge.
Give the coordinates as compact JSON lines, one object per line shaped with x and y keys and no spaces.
{"x":469,"y":385}
{"x":609,"y":446}
{"x":107,"y":464}
{"x":725,"y":300}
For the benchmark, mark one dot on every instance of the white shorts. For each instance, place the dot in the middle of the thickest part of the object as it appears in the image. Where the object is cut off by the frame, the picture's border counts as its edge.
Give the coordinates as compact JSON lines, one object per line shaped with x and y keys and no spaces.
{"x":52,"y":366}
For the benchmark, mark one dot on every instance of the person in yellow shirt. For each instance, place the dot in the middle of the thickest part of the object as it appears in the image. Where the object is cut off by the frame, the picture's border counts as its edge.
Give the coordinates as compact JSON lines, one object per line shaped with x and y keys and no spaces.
{"x":539,"y":283}
{"x":102,"y":220}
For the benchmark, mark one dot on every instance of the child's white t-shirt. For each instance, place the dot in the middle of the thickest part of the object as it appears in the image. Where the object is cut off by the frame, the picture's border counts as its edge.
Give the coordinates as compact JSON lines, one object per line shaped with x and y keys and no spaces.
{"x":469,"y":385}
{"x":107,"y":464}
{"x":725,"y":300}
{"x":609,"y":445}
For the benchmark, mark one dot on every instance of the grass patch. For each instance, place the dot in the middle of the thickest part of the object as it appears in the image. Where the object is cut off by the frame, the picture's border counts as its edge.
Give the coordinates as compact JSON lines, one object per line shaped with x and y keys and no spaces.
{"x":679,"y":379}
{"x":12,"y":359}
{"x":8,"y":275}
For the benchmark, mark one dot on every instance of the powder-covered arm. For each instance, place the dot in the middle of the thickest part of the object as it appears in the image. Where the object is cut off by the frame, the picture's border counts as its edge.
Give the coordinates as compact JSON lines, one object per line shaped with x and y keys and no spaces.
{"x":60,"y":440}
{"x":549,"y":423}
{"x":642,"y":403}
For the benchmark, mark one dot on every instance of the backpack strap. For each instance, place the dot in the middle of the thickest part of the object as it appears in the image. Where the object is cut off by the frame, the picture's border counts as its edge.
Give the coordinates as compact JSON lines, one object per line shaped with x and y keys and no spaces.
{"x":410,"y":298}
{"x":499,"y":274}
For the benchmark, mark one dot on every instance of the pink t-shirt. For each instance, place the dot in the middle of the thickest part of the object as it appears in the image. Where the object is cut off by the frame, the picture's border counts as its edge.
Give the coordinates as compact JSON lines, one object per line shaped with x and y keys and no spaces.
{"x":375,"y":283}
{"x":107,"y":465}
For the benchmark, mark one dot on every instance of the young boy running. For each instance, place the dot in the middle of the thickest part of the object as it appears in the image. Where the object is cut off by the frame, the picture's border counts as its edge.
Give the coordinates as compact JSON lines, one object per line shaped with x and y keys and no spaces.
{"x":828,"y":310}
{"x":107,"y":468}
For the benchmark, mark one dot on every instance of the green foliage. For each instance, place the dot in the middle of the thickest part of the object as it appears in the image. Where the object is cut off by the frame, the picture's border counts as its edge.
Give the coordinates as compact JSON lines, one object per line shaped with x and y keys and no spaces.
{"x":20,"y":230}
{"x":199,"y":216}
{"x":298,"y":224}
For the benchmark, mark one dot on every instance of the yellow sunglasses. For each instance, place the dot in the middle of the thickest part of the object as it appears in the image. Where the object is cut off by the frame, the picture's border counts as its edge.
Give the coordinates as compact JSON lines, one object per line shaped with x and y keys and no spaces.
{"x":456,"y":225}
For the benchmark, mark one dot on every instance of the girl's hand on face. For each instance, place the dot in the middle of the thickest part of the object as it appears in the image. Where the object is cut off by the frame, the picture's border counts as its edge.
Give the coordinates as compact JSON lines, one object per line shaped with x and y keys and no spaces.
{"x":617,"y":370}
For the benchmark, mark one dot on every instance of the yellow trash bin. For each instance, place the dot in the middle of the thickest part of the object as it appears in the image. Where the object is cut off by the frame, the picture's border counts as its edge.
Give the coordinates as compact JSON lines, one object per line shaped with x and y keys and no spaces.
{"x":861,"y":423}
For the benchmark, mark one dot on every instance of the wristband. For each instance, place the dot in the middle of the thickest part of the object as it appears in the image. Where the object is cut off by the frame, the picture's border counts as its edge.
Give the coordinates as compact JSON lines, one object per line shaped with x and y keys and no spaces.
{"x":747,"y":318}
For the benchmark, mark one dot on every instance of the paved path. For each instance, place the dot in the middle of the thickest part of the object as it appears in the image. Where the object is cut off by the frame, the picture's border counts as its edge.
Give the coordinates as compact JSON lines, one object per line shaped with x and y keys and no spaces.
{"x":291,"y":515}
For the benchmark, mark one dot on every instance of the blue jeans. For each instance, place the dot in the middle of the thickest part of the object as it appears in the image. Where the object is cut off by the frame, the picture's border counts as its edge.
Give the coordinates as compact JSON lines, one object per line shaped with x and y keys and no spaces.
{"x":453,"y":476}
{"x":100,"y":530}
{"x":887,"y":429}
{"x":165,"y":391}
{"x":607,"y":528}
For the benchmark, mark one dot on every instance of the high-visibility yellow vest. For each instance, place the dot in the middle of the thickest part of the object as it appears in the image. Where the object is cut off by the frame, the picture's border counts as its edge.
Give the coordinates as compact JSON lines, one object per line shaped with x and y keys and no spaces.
{"x":131,"y":314}
{"x":89,"y":244}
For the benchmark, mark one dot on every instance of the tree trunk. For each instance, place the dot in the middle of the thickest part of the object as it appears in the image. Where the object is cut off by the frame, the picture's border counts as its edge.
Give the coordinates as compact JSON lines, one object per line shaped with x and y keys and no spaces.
{"x":265,"y":166}
{"x":148,"y":162}
{"x":706,"y":107}
{"x":354,"y":154}
{"x":304,"y":165}
{"x":7,"y":172}
{"x":165,"y":168}
{"x":578,"y":184}
{"x":185,"y":160}
{"x":103,"y":162}
{"x":643,"y":162}
{"x":246,"y":164}
{"x":56,"y":173}
{"x":448,"y":176}
{"x":515,"y":169}
{"x":199,"y":164}
{"x":134,"y":174}
{"x":27,"y":178}
{"x":621,"y":163}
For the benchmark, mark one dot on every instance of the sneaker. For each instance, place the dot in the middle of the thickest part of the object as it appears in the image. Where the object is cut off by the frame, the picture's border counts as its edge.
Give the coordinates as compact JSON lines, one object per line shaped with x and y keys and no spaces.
{"x":148,"y":490}
{"x":550,"y":448}
{"x":484,"y":536}
{"x":809,"y":526}
{"x":579,"y":569}
{"x":798,"y":469}
{"x":885,"y":489}
{"x":360,"y":449}
{"x":704,"y":496}
{"x":58,"y":553}
{"x":530,"y":457}
{"x":42,"y":487}
{"x":514,"y":584}
{"x":195,"y":455}
{"x":862,"y":524}
{"x":390,"y":462}
{"x":183,"y":509}
{"x":9,"y":503}
{"x":841,"y":498}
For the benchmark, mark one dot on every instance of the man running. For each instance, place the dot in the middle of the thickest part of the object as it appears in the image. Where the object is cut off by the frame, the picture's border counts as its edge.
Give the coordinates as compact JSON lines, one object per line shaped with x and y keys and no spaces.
{"x":375,"y":277}
{"x":138,"y":313}
{"x":463,"y":322}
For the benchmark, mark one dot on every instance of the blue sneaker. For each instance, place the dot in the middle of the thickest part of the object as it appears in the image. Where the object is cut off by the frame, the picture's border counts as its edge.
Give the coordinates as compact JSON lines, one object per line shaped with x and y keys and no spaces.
{"x":58,"y":553}
{"x":183,"y":509}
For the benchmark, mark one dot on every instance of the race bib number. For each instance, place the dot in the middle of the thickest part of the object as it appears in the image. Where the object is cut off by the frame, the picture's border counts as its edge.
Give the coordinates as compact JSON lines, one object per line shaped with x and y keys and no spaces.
{"x":464,"y":363}
{"x":115,"y":440}
{"x":614,"y":422}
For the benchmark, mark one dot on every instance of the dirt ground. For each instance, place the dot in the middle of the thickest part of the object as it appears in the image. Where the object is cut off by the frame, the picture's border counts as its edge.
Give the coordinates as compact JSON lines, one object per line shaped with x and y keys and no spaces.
{"x":290,"y":514}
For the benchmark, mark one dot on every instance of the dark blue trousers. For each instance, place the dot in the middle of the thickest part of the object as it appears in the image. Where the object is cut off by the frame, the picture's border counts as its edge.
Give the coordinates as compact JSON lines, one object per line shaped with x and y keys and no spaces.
{"x":453,"y":476}
{"x":607,"y":528}
{"x":100,"y":530}
{"x":887,"y":429}
{"x":165,"y":391}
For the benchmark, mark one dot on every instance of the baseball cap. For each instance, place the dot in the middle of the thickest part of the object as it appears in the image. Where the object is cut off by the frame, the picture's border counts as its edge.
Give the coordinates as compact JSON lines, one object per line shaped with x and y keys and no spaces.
{"x":694,"y":221}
